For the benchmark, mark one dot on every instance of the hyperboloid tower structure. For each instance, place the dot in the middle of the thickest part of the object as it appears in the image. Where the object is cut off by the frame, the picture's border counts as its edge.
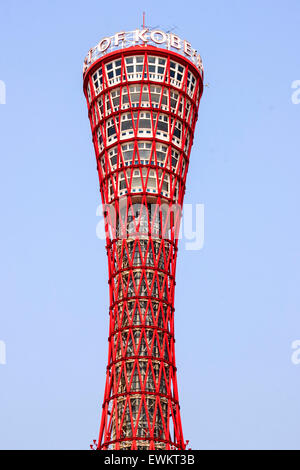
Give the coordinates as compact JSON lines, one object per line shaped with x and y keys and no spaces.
{"x":143,"y":90}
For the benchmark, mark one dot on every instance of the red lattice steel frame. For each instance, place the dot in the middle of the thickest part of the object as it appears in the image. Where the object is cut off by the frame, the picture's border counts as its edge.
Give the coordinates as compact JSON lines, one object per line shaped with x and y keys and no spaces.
{"x":141,"y":408}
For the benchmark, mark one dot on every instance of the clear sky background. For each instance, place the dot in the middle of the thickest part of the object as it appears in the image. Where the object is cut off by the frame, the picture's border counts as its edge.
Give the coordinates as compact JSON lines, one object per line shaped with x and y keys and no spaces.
{"x":237,"y":300}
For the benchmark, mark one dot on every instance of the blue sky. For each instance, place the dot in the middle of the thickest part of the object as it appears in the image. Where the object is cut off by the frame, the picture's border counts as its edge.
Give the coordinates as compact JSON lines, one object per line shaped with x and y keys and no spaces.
{"x":237,"y":300}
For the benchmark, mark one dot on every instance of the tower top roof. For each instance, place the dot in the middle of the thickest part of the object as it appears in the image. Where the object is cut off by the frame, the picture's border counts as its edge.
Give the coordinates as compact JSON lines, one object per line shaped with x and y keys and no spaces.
{"x":143,"y":37}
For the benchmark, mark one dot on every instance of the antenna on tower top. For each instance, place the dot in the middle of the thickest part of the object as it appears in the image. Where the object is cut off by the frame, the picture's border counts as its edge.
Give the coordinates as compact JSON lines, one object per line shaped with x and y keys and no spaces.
{"x":148,"y":26}
{"x":172,"y":29}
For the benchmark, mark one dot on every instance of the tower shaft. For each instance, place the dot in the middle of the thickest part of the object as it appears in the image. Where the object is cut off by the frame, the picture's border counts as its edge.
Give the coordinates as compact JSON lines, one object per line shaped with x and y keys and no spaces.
{"x":143,"y":103}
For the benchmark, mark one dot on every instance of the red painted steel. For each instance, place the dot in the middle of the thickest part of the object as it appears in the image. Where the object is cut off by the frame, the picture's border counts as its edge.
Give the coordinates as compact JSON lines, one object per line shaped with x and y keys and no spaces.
{"x":142,"y":125}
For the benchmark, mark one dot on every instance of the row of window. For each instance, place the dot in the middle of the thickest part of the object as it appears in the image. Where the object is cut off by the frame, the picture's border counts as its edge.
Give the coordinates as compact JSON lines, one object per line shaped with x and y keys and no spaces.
{"x":158,"y":221}
{"x":143,"y":284}
{"x":137,"y":69}
{"x":142,"y":178}
{"x":143,"y":124}
{"x":139,"y":181}
{"x":143,"y":97}
{"x":158,"y":414}
{"x":143,"y":154}
{"x":158,"y":373}
{"x":136,"y":342}
{"x":144,"y":253}
{"x":142,"y":312}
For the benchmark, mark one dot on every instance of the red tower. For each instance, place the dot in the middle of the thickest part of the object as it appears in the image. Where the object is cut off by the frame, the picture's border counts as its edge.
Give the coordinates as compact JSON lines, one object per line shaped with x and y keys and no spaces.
{"x":143,"y":90}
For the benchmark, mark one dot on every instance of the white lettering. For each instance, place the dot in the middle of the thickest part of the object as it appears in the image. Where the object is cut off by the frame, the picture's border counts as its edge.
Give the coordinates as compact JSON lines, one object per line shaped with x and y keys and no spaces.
{"x":119,"y":37}
{"x":296,"y":353}
{"x":199,"y":62}
{"x":157,"y":36}
{"x":104,"y":44}
{"x":197,"y":236}
{"x":175,"y":41}
{"x":2,"y":92}
{"x":140,"y":35}
{"x":116,"y":460}
{"x":154,"y":38}
{"x":187,"y":48}
{"x":296,"y":94}
{"x":2,"y":353}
